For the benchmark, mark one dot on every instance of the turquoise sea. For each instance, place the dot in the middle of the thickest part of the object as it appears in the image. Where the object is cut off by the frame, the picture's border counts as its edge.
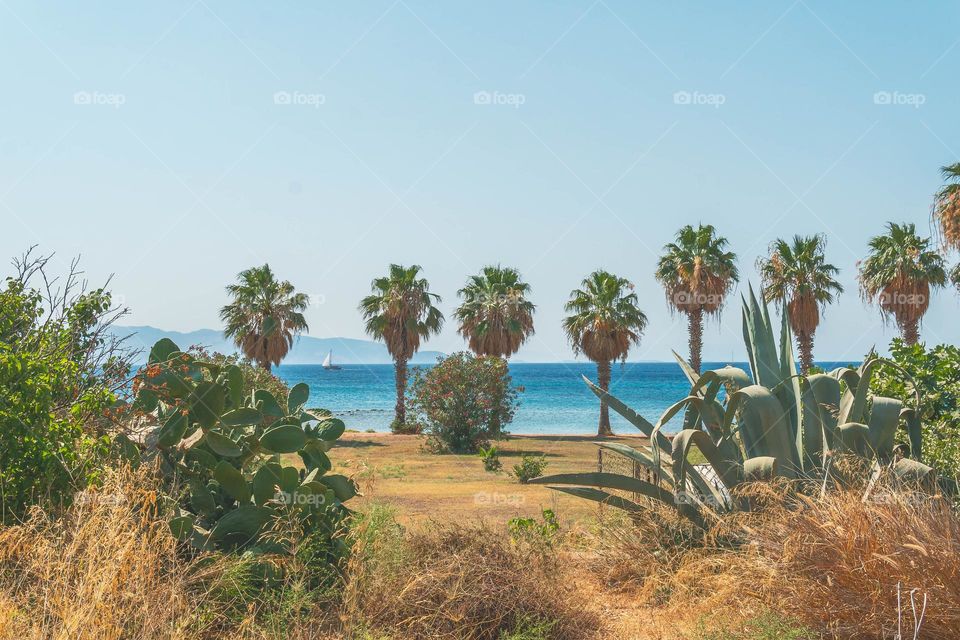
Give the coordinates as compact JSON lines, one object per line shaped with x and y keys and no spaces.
{"x":555,"y":400}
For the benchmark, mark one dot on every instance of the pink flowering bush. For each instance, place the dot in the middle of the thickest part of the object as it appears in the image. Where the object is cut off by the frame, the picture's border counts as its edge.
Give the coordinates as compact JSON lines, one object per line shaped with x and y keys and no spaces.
{"x":463,"y":402}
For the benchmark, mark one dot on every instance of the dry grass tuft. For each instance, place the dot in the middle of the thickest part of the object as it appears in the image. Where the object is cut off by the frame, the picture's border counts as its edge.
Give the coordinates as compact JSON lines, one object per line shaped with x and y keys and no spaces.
{"x":638,"y":557}
{"x":463,"y":582}
{"x":841,"y":559}
{"x":106,"y":569}
{"x":836,"y":563}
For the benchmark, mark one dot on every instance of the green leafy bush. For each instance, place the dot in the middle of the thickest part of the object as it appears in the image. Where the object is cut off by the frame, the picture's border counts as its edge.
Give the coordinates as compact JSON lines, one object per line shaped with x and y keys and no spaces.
{"x":533,"y":530}
{"x":491,"y":459}
{"x":221,"y":450}
{"x":59,"y":370}
{"x":936,"y":372}
{"x":531,"y":466}
{"x":463,"y":402}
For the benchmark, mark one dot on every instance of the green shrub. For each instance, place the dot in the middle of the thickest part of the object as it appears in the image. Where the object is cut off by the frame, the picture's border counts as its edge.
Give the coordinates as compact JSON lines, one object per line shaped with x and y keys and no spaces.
{"x":58,"y":372}
{"x":463,"y":402}
{"x":530,"y":628}
{"x":531,"y":466}
{"x":491,"y":459}
{"x":936,"y":372}
{"x":534,"y":531}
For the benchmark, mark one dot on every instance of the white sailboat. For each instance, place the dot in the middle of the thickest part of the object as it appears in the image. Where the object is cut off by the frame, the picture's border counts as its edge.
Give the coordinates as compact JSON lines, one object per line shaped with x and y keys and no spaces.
{"x":328,"y":362}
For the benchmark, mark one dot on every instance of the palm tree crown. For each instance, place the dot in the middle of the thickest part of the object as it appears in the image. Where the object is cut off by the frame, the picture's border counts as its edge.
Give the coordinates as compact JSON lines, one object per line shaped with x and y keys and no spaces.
{"x":400,"y":311}
{"x":946,"y":207}
{"x":495,"y":317}
{"x":898,"y":274}
{"x":697,"y":272}
{"x":265,"y":315}
{"x":797,"y":276}
{"x":604,"y":322}
{"x":605,"y":319}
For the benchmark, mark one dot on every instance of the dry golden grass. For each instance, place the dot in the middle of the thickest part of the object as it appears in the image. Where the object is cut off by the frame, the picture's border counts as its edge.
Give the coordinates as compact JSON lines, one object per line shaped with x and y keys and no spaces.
{"x":461,"y":583}
{"x":839,"y":562}
{"x":833,"y":564}
{"x":107,"y":569}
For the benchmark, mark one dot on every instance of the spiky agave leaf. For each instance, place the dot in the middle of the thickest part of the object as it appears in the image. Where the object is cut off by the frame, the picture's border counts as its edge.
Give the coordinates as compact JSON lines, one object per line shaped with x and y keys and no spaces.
{"x":629,"y":414}
{"x":763,"y":426}
{"x":661,"y":473}
{"x":728,"y":470}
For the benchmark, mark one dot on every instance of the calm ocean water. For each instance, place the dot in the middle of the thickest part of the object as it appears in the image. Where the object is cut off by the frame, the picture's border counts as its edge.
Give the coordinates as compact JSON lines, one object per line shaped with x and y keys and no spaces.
{"x":555,"y":399}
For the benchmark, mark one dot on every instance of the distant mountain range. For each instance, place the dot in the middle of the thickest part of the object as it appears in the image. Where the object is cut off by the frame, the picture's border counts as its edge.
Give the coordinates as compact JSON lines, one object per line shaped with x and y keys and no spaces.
{"x":306,"y":349}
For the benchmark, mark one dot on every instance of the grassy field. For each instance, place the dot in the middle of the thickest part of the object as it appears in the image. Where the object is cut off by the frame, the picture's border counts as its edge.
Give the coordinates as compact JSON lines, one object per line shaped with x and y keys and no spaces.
{"x":393,"y":469}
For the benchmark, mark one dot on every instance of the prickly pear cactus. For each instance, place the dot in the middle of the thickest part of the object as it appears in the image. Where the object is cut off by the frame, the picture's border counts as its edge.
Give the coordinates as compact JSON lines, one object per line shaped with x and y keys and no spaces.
{"x":224,"y":448}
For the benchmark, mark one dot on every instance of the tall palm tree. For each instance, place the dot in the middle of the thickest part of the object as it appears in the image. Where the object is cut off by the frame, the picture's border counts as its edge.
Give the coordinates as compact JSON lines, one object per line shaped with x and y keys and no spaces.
{"x":898,"y":274}
{"x":946,"y":207}
{"x":265,"y":315}
{"x":603,"y":324}
{"x":400,"y":312}
{"x":495,"y":317}
{"x":797,"y":276}
{"x":697,"y":272}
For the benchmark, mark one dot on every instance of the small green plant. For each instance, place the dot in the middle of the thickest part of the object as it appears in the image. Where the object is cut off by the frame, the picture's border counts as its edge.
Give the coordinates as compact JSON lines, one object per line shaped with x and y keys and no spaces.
{"x":766,"y":626}
{"x":533,"y":530}
{"x":491,"y":459}
{"x":531,"y":466}
{"x":530,"y":628}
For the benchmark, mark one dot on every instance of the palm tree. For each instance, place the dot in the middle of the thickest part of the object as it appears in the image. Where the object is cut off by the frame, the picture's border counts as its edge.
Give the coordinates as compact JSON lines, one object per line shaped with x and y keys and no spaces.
{"x":697,"y":272}
{"x":265,"y":315}
{"x":400,"y":312}
{"x":495,"y":317}
{"x":797,"y":277}
{"x":946,"y":207}
{"x":603,"y":324}
{"x":898,"y":274}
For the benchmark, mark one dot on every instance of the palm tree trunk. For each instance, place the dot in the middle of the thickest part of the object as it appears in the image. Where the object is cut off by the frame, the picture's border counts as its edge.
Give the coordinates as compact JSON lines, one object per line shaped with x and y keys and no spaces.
{"x":805,"y":345}
{"x":911,"y":332}
{"x":400,"y":411}
{"x":603,"y":378}
{"x":695,"y":329}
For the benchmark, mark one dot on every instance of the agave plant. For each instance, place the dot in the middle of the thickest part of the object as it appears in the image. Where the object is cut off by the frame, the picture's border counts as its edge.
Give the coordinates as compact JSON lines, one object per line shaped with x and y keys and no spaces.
{"x":770,"y":423}
{"x":224,"y":446}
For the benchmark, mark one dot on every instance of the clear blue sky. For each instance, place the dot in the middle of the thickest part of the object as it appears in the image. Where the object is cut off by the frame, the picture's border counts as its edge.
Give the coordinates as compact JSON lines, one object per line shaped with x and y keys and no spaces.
{"x":151,"y":139}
